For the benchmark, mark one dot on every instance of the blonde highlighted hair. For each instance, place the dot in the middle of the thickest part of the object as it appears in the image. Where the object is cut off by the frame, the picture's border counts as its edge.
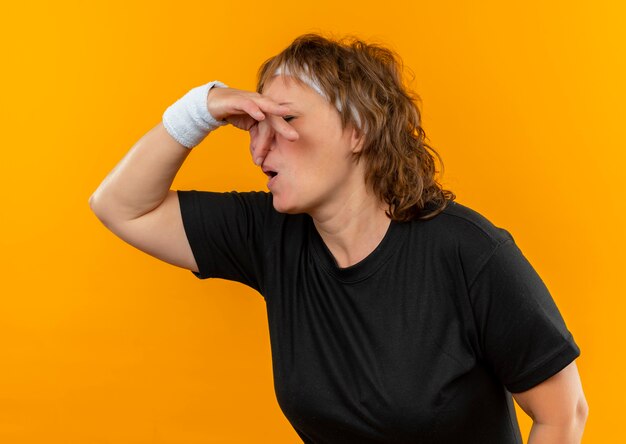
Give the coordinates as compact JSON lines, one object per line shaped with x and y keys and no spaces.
{"x":365,"y":79}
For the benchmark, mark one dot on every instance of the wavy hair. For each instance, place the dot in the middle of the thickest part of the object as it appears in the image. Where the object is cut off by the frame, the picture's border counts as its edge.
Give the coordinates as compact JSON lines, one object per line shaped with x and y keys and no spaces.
{"x":365,"y":78}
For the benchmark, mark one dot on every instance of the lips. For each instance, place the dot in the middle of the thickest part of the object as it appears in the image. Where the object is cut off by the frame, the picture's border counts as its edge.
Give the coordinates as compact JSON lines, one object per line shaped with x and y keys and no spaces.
{"x":271,"y":174}
{"x":271,"y":182}
{"x":269,"y":171}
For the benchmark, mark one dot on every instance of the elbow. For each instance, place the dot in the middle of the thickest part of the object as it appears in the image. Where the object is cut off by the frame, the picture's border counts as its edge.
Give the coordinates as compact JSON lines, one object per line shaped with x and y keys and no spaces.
{"x":97,"y":208}
{"x":577,"y":424}
{"x":91,"y":201}
{"x":582,"y":410}
{"x":93,"y":204}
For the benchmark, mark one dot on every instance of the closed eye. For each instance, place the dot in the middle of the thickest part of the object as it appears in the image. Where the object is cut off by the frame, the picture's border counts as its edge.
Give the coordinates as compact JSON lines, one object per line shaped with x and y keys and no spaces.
{"x":288,"y":118}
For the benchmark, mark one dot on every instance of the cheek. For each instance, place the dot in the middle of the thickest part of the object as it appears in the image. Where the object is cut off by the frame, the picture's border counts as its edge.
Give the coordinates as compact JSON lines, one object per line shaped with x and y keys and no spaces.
{"x":319,"y":154}
{"x":333,"y":160}
{"x":315,"y":177}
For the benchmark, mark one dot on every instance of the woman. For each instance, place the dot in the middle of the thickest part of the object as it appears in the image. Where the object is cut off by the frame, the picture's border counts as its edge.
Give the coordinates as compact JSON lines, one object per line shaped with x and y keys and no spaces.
{"x":396,"y":315}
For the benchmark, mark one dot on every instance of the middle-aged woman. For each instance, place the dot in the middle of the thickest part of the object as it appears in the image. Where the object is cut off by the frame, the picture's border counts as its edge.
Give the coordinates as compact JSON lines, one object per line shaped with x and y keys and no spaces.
{"x":396,"y":315}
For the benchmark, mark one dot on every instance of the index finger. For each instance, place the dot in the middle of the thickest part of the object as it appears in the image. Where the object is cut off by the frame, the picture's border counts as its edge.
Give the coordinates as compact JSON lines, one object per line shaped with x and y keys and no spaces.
{"x":267,"y":105}
{"x":283,"y":128}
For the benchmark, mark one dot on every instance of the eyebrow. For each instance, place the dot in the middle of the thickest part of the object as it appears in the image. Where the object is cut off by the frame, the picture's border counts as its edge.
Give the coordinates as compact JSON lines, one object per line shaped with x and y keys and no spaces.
{"x":286,"y":103}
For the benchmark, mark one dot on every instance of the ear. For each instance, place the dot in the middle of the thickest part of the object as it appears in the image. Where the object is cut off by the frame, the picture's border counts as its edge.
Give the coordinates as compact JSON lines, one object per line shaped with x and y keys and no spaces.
{"x":357,"y":139}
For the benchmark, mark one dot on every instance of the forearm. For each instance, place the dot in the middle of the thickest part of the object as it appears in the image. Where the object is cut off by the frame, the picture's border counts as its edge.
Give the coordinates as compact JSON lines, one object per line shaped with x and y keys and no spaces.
{"x":141,"y":180}
{"x":556,"y":434}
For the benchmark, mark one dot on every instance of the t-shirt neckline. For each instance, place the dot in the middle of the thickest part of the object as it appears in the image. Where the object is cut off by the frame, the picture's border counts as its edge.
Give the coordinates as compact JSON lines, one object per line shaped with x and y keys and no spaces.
{"x":366,"y":266}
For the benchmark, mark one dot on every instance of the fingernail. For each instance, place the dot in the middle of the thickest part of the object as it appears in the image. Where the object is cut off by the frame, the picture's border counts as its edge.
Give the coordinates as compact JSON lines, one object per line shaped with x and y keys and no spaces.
{"x":258,"y":160}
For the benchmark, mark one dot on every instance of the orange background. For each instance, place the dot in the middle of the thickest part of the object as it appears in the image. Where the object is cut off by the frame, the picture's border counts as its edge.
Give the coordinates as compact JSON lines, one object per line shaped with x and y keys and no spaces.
{"x":101,"y":343}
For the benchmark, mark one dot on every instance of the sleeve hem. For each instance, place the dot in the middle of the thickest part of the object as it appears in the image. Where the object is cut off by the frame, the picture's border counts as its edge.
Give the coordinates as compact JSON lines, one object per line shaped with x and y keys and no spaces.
{"x":547,"y":368}
{"x":188,"y":209}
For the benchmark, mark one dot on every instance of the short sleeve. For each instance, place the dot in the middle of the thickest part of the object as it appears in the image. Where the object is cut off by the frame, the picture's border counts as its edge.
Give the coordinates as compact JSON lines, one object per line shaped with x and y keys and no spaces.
{"x":522,"y":334}
{"x":225,"y":233}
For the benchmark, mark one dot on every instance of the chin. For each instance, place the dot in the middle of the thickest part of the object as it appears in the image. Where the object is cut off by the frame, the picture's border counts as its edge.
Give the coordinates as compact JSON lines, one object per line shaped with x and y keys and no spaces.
{"x":284,"y":207}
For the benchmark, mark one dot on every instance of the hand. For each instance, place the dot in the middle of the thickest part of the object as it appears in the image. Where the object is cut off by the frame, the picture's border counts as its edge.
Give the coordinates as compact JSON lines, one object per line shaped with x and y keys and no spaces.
{"x":245,"y":109}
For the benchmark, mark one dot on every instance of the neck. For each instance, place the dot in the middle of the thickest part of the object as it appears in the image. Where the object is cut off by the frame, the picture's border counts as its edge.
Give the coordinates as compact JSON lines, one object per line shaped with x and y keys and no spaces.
{"x":352,"y":228}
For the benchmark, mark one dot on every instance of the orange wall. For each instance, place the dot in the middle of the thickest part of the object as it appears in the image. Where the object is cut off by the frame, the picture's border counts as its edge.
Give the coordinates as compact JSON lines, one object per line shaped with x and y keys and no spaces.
{"x":101,"y":343}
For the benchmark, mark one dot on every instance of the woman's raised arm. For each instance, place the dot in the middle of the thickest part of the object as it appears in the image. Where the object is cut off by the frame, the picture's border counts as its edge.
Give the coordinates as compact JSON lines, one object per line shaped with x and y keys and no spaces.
{"x":134,"y":200}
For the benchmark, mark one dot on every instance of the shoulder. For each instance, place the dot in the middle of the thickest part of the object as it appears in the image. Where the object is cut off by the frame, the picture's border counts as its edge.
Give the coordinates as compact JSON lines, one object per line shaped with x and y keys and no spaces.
{"x":464,"y":223}
{"x":256,"y":201}
{"x":260,"y":206}
{"x":464,"y":235}
{"x":231,"y":211}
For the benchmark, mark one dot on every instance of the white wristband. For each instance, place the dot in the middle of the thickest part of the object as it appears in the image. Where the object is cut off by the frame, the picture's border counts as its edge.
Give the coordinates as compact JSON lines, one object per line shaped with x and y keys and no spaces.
{"x":188,"y":119}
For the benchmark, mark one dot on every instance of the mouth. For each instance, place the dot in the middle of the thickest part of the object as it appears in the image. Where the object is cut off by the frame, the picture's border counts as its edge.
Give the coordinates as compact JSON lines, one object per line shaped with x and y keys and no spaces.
{"x":271,"y":174}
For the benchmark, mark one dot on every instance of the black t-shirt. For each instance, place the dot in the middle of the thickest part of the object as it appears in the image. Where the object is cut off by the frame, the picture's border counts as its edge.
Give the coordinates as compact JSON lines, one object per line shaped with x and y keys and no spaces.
{"x":420,"y":342}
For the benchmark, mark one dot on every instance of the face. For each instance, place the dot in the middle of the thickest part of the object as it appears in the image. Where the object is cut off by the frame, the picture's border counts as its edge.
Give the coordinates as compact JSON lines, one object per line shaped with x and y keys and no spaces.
{"x":316,"y":171}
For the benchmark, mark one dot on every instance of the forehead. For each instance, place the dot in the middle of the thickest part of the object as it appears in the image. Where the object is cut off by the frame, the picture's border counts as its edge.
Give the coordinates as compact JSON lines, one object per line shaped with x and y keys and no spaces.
{"x":286,"y":88}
